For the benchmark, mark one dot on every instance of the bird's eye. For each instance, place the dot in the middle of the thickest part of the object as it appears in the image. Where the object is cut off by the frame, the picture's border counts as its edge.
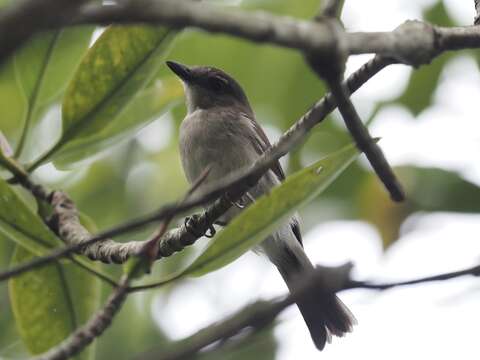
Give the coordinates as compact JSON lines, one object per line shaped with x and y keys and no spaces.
{"x":217,"y":83}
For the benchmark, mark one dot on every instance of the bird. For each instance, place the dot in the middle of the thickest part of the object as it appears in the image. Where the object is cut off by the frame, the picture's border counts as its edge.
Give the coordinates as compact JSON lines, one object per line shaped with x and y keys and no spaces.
{"x":220,"y":132}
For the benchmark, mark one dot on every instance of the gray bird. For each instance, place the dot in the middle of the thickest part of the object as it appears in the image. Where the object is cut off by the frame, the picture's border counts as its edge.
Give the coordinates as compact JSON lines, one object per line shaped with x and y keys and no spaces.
{"x":220,"y":132}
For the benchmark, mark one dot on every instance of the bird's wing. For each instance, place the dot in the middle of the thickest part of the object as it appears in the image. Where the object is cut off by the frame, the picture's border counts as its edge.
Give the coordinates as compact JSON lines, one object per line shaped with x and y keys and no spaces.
{"x":261,"y":144}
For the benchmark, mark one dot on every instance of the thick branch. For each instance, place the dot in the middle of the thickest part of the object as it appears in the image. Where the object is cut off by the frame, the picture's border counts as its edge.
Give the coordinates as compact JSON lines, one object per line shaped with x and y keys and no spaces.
{"x":254,"y":316}
{"x":413,"y":43}
{"x":72,"y":232}
{"x":27,"y":17}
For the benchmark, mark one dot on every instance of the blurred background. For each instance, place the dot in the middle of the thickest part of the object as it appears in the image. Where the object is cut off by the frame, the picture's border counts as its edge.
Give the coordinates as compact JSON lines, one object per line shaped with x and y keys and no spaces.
{"x":427,"y":121}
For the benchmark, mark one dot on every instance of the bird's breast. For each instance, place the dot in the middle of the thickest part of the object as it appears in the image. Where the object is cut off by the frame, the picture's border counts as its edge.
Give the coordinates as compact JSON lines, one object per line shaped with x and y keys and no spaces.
{"x":210,"y":138}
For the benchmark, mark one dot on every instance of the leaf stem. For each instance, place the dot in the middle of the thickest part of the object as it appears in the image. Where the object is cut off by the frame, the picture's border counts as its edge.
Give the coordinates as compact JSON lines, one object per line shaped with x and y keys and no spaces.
{"x":35,"y":164}
{"x":13,"y":166}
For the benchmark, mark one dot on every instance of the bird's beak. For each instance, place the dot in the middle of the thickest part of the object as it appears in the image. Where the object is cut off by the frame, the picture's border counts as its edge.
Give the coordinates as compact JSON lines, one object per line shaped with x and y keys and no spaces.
{"x":182,"y":71}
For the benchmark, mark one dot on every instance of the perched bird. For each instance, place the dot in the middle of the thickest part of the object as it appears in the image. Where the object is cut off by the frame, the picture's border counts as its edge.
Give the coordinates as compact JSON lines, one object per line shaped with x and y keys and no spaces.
{"x":220,"y":132}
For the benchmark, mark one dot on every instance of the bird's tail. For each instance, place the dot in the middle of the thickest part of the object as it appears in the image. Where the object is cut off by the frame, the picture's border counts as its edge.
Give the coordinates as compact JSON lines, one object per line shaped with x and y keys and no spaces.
{"x":323,"y":312}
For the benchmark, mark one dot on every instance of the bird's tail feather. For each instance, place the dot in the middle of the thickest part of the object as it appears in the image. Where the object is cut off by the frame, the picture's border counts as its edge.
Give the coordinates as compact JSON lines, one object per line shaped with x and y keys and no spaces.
{"x":323,"y":312}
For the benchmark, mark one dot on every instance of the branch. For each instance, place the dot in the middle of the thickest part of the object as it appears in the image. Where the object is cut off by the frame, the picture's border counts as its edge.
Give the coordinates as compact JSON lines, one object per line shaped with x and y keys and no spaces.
{"x":474,"y":271}
{"x":24,"y":18}
{"x":332,"y":8}
{"x":477,"y":11}
{"x":365,"y":142}
{"x":262,"y":313}
{"x":413,"y":43}
{"x":332,"y":71}
{"x":253,"y":317}
{"x":177,"y":239}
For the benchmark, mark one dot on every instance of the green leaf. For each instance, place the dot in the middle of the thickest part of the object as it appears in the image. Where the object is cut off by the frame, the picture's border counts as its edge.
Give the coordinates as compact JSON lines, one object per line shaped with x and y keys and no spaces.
{"x":50,"y":302}
{"x":120,"y":64}
{"x":267,"y":213}
{"x":21,"y":224}
{"x":428,"y":186}
{"x":43,"y":312}
{"x":85,"y":291}
{"x":44,"y":67}
{"x":147,"y":105}
{"x":12,"y":102}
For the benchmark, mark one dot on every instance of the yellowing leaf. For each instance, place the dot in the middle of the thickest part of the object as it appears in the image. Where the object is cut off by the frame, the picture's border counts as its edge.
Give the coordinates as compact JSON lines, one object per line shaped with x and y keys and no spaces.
{"x":107,"y":82}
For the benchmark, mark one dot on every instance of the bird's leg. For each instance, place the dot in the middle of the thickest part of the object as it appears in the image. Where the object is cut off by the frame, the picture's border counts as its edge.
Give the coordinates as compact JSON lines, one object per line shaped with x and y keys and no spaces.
{"x":192,"y":224}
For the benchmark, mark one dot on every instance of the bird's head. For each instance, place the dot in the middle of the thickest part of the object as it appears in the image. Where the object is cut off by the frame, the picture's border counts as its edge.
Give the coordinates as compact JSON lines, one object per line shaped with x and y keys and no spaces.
{"x":208,"y":87}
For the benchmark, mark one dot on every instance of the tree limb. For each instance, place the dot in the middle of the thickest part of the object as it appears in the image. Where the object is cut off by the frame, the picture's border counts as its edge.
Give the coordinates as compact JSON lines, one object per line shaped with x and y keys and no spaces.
{"x":181,"y":237}
{"x":262,"y":313}
{"x":414,"y":42}
{"x":24,"y":18}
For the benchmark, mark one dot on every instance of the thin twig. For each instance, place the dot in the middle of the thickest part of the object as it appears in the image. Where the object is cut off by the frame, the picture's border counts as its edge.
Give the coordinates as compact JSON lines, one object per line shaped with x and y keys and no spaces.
{"x":365,"y":142}
{"x":104,"y":277}
{"x":332,"y":8}
{"x":23,"y":178}
{"x":332,"y":71}
{"x":474,"y":271}
{"x":477,"y":12}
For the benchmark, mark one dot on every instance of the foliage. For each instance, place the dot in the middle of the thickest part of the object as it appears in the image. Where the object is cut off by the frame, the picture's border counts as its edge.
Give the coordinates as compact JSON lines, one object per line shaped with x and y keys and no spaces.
{"x":112,"y":89}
